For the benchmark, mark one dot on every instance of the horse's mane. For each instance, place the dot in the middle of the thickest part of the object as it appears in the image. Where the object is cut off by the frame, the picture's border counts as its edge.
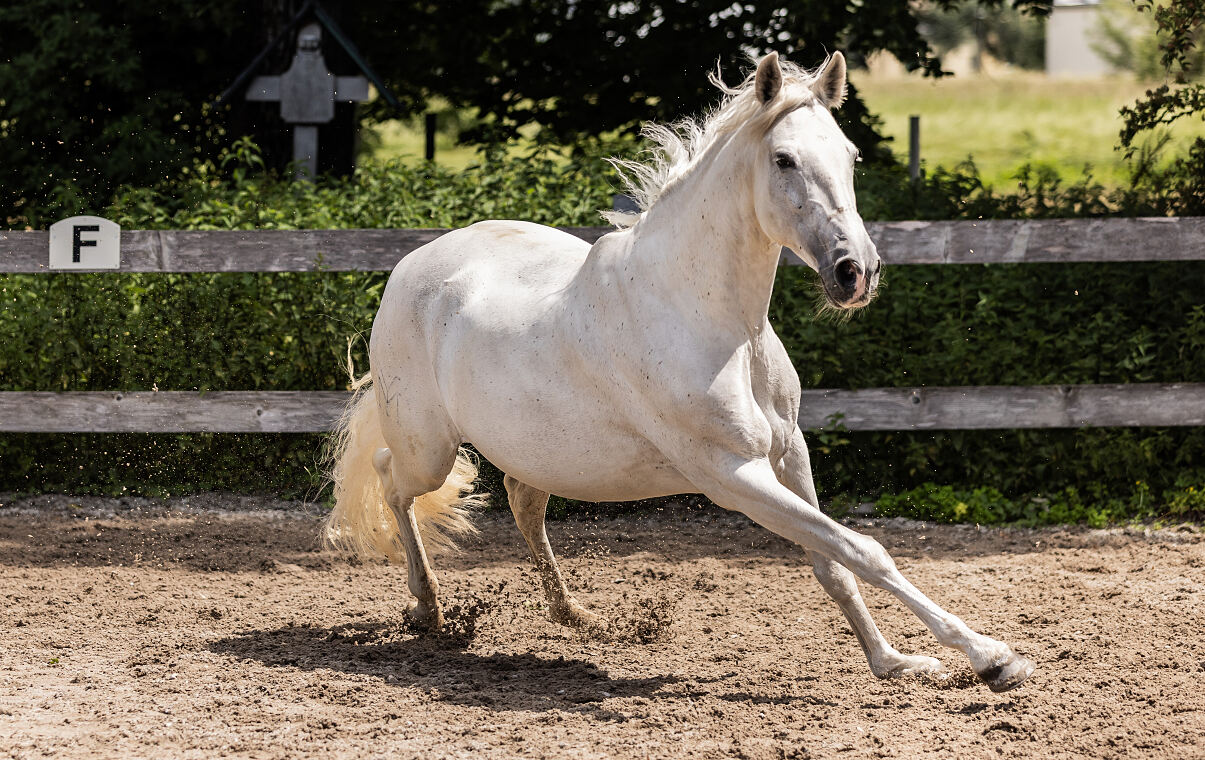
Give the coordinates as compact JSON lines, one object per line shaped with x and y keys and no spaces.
{"x":677,"y":146}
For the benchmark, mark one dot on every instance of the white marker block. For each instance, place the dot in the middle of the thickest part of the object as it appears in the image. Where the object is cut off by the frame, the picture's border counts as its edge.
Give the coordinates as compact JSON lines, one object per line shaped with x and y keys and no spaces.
{"x":85,"y":242}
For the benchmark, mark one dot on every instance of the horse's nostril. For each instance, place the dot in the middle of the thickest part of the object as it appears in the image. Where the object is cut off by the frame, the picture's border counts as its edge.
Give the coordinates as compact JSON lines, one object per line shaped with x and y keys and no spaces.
{"x":847,"y":274}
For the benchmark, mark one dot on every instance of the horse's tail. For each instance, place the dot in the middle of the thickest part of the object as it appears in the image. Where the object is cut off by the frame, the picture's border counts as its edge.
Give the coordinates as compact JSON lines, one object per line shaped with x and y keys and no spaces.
{"x":361,"y":523}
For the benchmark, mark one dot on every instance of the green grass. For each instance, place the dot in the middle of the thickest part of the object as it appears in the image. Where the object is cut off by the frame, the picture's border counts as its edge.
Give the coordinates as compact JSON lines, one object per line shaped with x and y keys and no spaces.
{"x":1005,"y":121}
{"x":406,"y":140}
{"x":1001,"y":121}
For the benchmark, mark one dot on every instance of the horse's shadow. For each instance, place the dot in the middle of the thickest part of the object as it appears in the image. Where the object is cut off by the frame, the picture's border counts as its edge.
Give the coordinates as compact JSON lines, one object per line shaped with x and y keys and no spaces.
{"x":441,"y":666}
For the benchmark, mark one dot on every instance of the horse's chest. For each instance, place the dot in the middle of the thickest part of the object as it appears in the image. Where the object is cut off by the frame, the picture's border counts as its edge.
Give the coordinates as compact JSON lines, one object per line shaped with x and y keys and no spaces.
{"x":748,"y":406}
{"x":775,"y":388}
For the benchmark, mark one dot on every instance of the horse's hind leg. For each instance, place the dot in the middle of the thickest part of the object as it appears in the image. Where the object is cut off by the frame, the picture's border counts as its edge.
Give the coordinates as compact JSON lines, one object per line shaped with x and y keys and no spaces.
{"x":419,"y":577}
{"x":839,"y":583}
{"x":885,"y":660}
{"x":529,"y":506}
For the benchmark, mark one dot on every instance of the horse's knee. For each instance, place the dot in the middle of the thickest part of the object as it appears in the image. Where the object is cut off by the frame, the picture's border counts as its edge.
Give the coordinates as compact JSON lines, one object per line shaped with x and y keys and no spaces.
{"x":512,"y":487}
{"x":879,"y":567}
{"x":795,"y":470}
{"x":403,"y":479}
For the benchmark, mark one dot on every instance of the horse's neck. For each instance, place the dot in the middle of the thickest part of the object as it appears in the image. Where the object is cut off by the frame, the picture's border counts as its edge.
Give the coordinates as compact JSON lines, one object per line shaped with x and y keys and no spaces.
{"x":702,"y":246}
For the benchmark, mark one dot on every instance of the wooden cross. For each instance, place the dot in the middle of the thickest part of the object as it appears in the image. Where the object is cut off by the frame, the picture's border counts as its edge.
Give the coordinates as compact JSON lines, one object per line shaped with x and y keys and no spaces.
{"x":307,"y":93}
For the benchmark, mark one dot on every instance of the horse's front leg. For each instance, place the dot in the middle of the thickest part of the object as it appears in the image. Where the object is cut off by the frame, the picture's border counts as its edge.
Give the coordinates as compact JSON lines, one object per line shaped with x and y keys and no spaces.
{"x":885,"y":660}
{"x":749,"y":485}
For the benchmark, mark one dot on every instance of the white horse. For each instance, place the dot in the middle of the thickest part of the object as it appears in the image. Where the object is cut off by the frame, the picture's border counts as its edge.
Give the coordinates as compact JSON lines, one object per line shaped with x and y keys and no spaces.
{"x":641,"y":366}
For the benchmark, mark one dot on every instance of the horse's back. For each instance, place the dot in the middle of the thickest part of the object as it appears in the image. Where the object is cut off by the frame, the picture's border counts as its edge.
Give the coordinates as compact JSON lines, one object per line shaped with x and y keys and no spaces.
{"x":505,"y":257}
{"x":479,"y":277}
{"x":495,"y":276}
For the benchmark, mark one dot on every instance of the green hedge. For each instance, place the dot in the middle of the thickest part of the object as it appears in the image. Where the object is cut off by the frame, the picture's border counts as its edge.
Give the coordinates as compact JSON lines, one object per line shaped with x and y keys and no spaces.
{"x":1096,"y":505}
{"x":932,"y":325}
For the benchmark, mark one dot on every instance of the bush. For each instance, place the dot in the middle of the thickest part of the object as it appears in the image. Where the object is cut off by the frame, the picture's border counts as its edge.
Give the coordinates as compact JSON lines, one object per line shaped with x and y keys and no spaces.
{"x":1096,"y":506}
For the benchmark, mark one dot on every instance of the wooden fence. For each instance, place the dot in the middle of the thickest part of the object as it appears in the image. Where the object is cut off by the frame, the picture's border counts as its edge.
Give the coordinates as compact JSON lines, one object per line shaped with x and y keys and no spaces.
{"x":925,"y":408}
{"x":1047,"y":241}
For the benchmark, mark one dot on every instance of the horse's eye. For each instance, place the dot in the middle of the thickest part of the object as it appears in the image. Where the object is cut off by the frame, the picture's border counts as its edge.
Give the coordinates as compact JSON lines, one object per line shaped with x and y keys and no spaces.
{"x":783,"y":161}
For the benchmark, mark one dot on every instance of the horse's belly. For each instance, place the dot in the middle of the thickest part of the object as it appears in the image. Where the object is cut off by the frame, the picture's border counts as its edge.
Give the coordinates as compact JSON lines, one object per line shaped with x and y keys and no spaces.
{"x":537,"y":412}
{"x":583,"y":476}
{"x":567,"y":444}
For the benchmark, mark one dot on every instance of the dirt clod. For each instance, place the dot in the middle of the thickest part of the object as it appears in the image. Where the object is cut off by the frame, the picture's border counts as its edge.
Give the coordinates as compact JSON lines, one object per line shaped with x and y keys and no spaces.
{"x":644,"y":621}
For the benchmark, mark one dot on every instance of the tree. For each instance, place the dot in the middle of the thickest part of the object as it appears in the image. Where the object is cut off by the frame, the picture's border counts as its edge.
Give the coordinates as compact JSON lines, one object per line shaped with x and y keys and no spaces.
{"x":1181,"y":25}
{"x":581,"y":67}
{"x":1002,"y":32}
{"x":97,"y":93}
{"x":1137,"y":44}
{"x":1180,"y":188}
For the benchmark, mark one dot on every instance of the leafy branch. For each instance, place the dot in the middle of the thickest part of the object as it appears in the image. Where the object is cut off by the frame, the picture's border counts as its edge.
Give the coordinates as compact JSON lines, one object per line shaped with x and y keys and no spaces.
{"x":1181,"y":27}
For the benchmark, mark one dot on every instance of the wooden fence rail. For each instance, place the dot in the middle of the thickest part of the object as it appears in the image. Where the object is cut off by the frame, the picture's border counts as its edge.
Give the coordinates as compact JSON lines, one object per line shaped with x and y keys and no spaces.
{"x":1001,"y":241}
{"x":932,"y":408}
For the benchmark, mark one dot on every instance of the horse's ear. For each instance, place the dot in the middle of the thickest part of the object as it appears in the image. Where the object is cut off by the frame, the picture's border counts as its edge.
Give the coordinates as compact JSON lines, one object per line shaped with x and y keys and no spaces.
{"x":769,"y":78}
{"x":830,"y":85}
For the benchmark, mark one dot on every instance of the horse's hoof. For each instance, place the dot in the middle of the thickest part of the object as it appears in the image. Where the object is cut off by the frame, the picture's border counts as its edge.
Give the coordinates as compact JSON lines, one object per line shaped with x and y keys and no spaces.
{"x":908,"y":665}
{"x":576,"y":616}
{"x":426,"y":616}
{"x":1008,"y":674}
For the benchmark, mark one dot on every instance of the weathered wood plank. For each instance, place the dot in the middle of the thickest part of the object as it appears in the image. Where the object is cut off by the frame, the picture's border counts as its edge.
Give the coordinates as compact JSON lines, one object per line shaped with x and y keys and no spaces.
{"x":1003,"y":407}
{"x":955,"y":408}
{"x":246,"y":250}
{"x":170,"y":412}
{"x":1041,"y":241}
{"x":964,"y":242}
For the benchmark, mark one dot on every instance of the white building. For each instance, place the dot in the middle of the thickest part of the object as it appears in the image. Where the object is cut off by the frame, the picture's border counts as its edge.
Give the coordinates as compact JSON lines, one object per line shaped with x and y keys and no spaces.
{"x":1071,"y":32}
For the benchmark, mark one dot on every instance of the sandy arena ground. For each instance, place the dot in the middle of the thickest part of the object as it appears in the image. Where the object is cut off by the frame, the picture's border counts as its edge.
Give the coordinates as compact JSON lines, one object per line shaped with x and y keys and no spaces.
{"x":216,"y":627}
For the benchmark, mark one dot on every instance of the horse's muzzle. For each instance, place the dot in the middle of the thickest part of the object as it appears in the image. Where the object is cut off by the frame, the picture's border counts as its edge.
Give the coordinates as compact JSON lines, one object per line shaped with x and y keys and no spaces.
{"x":850,"y":284}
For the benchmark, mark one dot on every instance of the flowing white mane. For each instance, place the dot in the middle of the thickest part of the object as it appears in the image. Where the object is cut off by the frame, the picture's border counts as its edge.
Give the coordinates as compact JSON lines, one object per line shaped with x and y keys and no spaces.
{"x":677,"y":146}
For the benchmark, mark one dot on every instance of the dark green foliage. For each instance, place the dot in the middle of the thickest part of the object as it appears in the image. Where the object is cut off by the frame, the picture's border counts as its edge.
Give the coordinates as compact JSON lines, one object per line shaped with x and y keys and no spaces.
{"x":546,"y":186}
{"x":1097,"y":504}
{"x":646,"y":61}
{"x":102,"y":93}
{"x":931,"y":325}
{"x":582,"y":67}
{"x":95,"y":94}
{"x":244,"y":331}
{"x":1181,"y":28}
{"x":1132,"y":39}
{"x":1006,"y":325}
{"x":155,"y":464}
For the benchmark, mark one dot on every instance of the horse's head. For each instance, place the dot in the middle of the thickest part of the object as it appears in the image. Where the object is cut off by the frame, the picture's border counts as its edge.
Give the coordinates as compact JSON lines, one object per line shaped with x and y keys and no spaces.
{"x":804,"y":180}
